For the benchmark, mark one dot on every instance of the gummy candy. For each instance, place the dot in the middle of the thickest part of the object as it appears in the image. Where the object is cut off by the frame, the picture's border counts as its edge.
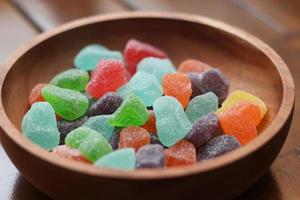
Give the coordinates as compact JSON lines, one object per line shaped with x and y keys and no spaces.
{"x":177,"y":85}
{"x":204,"y":129}
{"x":150,"y":124}
{"x":108,"y":77}
{"x":74,"y":79}
{"x":201,"y":105}
{"x":238,"y":96}
{"x":134,"y":137}
{"x":171,"y":122}
{"x":114,"y":139}
{"x":90,"y":99}
{"x":88,"y":57}
{"x":68,"y":104}
{"x":240,"y":121}
{"x":192,"y":65}
{"x":123,"y":159}
{"x":39,"y":125}
{"x":106,"y":105}
{"x":132,"y":112}
{"x":154,"y":139}
{"x":217,"y":146}
{"x":150,"y":156}
{"x":182,"y":153}
{"x":156,"y":66}
{"x":100,"y":124}
{"x":136,"y":50}
{"x":196,"y":84}
{"x":76,"y":137}
{"x":35,"y":94}
{"x":69,"y":153}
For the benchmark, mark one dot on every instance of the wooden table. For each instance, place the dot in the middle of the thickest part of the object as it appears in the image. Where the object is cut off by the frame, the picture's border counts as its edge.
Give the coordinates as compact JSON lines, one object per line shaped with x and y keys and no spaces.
{"x":277,"y":22}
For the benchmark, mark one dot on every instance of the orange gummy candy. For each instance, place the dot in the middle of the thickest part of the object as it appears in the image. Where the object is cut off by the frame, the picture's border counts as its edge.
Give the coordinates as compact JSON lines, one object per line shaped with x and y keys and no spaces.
{"x":150,"y":125}
{"x":35,"y":94}
{"x":182,"y":153}
{"x":241,"y":121}
{"x":69,"y":153}
{"x":177,"y":85}
{"x":192,"y":65}
{"x":134,"y":137}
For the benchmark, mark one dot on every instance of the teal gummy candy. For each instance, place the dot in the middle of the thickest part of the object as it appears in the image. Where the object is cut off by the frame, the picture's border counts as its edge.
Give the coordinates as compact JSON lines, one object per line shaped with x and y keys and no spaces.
{"x":132,"y":112}
{"x":68,"y":104}
{"x":156,"y":66}
{"x":91,"y":55}
{"x":124,"y":159}
{"x":100,"y":124}
{"x":74,"y":79}
{"x":124,"y":90}
{"x":39,"y":125}
{"x":201,"y":105}
{"x":171,"y":122}
{"x":75,"y":138}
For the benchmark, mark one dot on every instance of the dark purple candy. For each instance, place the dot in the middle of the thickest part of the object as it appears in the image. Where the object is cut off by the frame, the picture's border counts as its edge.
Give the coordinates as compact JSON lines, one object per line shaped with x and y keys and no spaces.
{"x":106,"y":105}
{"x":65,"y":127}
{"x":150,"y":156}
{"x":217,"y":146}
{"x":196,"y":85}
{"x":204,"y":129}
{"x":114,"y":139}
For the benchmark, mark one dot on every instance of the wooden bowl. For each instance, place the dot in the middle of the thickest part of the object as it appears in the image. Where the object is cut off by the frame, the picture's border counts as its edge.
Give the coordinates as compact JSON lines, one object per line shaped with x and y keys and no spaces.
{"x":247,"y":62}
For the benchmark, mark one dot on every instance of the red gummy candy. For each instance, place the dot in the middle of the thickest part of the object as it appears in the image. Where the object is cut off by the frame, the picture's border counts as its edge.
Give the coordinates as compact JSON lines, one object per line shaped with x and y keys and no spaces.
{"x":69,"y":153}
{"x":192,"y":65}
{"x":108,"y":76}
{"x":150,"y":125}
{"x":136,"y":50}
{"x":35,"y":94}
{"x":134,"y":137}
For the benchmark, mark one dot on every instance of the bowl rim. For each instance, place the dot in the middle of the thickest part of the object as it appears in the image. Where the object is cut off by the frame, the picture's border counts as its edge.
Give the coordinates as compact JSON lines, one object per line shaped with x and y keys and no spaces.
{"x":279,"y":120}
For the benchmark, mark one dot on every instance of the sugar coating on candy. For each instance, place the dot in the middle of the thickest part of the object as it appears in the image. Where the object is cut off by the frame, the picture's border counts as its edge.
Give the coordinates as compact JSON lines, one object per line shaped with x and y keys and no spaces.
{"x":177,"y":85}
{"x":150,"y":125}
{"x":39,"y":125}
{"x":106,"y":105}
{"x":238,"y":96}
{"x":75,"y":138}
{"x":150,"y":156}
{"x":88,"y":57}
{"x":204,"y":129}
{"x":124,"y":90}
{"x":65,"y":127}
{"x":195,"y":80}
{"x":171,"y":122}
{"x":114,"y":139}
{"x":134,"y":137}
{"x":35,"y":94}
{"x":123,"y":159}
{"x":201,"y":105}
{"x":132,"y":112}
{"x":158,"y":67}
{"x":193,"y":65}
{"x":69,"y":153}
{"x":241,"y":121}
{"x":108,"y":77}
{"x":100,"y":124}
{"x":74,"y":79}
{"x":180,"y":154}
{"x":136,"y":50}
{"x":217,"y":146}
{"x":68,"y":104}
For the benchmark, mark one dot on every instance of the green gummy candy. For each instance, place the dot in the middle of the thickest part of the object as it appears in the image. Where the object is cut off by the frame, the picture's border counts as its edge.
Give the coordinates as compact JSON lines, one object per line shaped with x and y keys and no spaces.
{"x":74,"y":79}
{"x":77,"y":136}
{"x":100,"y":124}
{"x":201,"y":105}
{"x":120,"y":159}
{"x":39,"y":125}
{"x":132,"y":112}
{"x":91,"y":55}
{"x":171,"y":122}
{"x":156,"y":66}
{"x":68,"y":104}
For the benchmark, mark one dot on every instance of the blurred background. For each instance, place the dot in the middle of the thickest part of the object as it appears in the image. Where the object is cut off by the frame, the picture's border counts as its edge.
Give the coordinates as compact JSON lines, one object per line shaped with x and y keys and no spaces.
{"x":277,"y":22}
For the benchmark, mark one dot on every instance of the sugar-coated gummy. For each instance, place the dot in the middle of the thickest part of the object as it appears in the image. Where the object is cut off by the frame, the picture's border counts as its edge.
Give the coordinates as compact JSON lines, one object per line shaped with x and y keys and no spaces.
{"x":68,"y":104}
{"x":195,"y":84}
{"x":134,"y":137}
{"x":171,"y":122}
{"x":114,"y":139}
{"x":77,"y":136}
{"x":35,"y":94}
{"x":150,"y":156}
{"x":201,"y":105}
{"x":123,"y":159}
{"x":193,"y":65}
{"x":217,"y":146}
{"x":90,"y":99}
{"x":150,"y":125}
{"x":39,"y":125}
{"x":154,"y":139}
{"x":100,"y":124}
{"x":69,"y":153}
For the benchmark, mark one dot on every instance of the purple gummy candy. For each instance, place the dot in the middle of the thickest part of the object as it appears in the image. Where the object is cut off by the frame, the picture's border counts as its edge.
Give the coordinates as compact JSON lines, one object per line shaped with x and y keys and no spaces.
{"x":65,"y":127}
{"x":204,"y":129}
{"x":195,"y":82}
{"x":217,"y":146}
{"x":114,"y":139}
{"x":150,"y":156}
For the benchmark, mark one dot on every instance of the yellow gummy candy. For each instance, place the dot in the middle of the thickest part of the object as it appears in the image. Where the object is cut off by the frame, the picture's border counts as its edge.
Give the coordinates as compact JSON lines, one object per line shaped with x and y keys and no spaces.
{"x":238,"y":96}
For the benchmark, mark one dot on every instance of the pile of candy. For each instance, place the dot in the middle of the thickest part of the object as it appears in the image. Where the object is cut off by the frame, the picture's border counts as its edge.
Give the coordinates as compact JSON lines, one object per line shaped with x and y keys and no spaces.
{"x":139,"y":111}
